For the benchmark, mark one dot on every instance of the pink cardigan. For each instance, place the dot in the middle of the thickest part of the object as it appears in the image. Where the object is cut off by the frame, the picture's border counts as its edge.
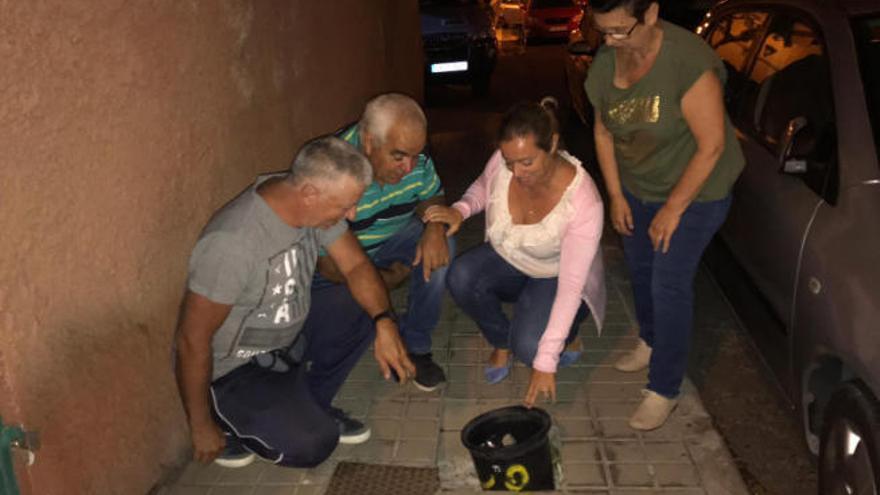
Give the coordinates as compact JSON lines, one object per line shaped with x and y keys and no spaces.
{"x":581,"y":272}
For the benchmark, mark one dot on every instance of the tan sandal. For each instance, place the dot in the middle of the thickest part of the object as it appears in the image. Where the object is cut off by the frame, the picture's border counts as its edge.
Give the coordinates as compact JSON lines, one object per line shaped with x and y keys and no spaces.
{"x":653,"y":412}
{"x":636,"y":359}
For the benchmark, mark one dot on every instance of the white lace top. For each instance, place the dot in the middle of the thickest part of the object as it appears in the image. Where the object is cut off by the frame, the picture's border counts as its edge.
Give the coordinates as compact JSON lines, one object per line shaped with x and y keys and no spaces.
{"x":533,"y":249}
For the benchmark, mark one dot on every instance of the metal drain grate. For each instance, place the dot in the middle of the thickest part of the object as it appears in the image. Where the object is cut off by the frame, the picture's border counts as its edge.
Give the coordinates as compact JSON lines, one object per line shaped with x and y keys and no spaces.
{"x":379,"y":479}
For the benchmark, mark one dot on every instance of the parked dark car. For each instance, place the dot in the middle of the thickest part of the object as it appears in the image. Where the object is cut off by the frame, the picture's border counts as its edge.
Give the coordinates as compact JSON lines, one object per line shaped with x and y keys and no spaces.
{"x":459,"y":42}
{"x":799,"y":255}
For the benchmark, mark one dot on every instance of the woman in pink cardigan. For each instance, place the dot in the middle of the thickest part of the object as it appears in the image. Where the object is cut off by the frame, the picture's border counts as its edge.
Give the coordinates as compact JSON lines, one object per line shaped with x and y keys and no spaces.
{"x":543,"y":224}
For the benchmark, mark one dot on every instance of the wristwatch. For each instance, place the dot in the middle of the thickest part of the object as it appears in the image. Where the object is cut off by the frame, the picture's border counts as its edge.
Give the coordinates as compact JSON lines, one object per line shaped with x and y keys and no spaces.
{"x":388,"y":313}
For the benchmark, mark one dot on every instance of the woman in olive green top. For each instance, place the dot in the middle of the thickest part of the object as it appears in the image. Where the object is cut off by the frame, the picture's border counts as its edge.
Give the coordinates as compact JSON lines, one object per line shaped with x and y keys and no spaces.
{"x":669,"y":156}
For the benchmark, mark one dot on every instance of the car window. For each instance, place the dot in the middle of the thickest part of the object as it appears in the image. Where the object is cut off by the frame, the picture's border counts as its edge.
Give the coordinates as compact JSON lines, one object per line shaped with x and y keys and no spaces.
{"x":734,"y":38}
{"x":792,"y":76}
{"x":867,"y":35}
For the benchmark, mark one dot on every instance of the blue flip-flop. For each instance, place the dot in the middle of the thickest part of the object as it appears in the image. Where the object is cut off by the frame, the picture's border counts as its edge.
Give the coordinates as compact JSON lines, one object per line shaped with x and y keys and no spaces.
{"x":496,"y":374}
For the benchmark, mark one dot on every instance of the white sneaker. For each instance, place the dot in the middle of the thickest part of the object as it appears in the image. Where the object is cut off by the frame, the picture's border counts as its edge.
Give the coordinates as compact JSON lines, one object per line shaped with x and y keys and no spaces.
{"x":636,"y":359}
{"x":652,"y":412}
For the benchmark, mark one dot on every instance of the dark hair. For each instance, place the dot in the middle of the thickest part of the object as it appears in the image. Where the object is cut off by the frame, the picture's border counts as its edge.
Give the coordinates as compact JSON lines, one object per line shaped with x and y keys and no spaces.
{"x":528,"y":118}
{"x":636,"y":8}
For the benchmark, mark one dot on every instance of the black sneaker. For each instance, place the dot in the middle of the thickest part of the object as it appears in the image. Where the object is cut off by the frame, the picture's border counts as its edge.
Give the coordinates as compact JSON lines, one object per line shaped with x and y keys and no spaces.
{"x":429,"y":375}
{"x":351,"y":431}
{"x":234,"y":455}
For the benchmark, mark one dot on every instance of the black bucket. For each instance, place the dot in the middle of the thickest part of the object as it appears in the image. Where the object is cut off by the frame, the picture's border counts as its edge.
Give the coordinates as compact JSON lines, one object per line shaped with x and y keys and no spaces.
{"x":510,"y":449}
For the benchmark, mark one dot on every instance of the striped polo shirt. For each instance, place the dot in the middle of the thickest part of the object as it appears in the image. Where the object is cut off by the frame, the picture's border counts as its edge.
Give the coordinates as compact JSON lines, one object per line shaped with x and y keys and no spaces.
{"x":383,"y":210}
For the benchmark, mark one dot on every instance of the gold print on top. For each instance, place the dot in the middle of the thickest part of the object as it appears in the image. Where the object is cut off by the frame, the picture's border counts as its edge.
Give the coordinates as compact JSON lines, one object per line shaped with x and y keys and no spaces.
{"x":636,"y":111}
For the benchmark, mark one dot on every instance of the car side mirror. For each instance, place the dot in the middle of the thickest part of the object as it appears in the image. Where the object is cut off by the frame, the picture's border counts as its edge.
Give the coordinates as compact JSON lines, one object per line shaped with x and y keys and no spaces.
{"x":796,"y":144}
{"x":582,"y":48}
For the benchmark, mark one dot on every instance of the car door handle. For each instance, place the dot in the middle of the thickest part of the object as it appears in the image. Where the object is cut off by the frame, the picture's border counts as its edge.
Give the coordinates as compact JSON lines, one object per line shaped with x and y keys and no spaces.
{"x":814,"y":285}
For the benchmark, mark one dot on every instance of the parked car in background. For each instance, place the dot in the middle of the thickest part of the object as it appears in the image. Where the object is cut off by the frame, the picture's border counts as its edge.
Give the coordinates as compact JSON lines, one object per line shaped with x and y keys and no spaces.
{"x":799,"y":256}
{"x":504,"y":9}
{"x":459,"y":43}
{"x":552,"y":18}
{"x":583,"y":43}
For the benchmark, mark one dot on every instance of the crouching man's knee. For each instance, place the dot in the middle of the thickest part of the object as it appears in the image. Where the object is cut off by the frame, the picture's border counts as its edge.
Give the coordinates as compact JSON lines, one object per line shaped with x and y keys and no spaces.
{"x":311,"y":448}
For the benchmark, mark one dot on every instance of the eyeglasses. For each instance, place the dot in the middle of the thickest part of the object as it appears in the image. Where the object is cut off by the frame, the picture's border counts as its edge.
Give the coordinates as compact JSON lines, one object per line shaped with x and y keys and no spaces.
{"x":620,"y":36}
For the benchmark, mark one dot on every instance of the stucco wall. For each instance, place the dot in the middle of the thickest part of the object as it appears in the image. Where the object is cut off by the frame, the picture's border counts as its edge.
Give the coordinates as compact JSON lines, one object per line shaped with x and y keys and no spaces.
{"x":124,"y":125}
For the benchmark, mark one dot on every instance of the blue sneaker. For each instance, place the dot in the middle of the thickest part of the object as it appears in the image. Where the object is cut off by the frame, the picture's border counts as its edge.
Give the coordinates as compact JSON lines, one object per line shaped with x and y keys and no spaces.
{"x":235,"y":455}
{"x":351,"y":431}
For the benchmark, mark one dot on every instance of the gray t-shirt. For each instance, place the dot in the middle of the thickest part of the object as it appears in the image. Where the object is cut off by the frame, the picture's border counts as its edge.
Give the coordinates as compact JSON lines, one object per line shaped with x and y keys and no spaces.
{"x":249,"y":258}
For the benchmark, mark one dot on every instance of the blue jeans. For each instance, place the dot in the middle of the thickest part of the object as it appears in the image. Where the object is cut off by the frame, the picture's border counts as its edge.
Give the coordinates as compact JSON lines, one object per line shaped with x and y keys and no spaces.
{"x":480,"y":281}
{"x":663,"y":285}
{"x":425,"y":299}
{"x":277,"y":404}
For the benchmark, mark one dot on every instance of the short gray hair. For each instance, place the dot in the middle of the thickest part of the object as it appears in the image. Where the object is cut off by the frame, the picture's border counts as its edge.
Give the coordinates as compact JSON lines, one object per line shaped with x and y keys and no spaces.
{"x":327,"y":158}
{"x":382,"y":111}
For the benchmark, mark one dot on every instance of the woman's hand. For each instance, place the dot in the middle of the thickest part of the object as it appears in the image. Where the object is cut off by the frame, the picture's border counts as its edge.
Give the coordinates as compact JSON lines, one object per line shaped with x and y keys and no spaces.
{"x":621,"y":216}
{"x":662,"y":227}
{"x":540,"y":383}
{"x":444,"y":214}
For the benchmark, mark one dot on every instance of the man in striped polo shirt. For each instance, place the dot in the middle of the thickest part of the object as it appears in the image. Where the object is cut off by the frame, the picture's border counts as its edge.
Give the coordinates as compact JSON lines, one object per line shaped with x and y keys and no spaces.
{"x":392,"y":134}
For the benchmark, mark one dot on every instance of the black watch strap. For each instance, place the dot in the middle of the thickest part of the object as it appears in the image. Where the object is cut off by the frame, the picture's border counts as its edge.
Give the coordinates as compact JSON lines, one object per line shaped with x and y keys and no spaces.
{"x":388,"y":313}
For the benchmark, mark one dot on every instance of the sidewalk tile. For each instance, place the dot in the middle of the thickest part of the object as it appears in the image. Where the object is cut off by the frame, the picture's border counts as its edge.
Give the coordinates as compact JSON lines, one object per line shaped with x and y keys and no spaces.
{"x":309,"y":490}
{"x":616,"y":428}
{"x":621,"y":451}
{"x":666,"y":451}
{"x":614,"y":409}
{"x":387,"y":409}
{"x":232,"y":490}
{"x":471,"y":357}
{"x":275,"y":490}
{"x":676,"y":475}
{"x":419,"y":428}
{"x":580,"y":451}
{"x":628,"y":475}
{"x":451,"y":446}
{"x":424,"y":408}
{"x":385,"y":428}
{"x":570,"y":428}
{"x":419,"y":451}
{"x":201,"y":474}
{"x":277,"y":475}
{"x":247,"y":475}
{"x":376,"y":450}
{"x":584,"y":474}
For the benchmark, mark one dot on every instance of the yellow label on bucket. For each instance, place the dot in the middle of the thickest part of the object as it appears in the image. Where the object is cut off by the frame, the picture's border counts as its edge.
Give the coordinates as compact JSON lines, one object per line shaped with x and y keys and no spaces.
{"x":516,"y":479}
{"x":489,"y":483}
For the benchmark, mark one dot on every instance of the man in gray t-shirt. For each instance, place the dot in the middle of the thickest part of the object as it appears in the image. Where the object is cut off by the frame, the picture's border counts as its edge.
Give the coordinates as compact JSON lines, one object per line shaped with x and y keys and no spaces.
{"x":243,"y":334}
